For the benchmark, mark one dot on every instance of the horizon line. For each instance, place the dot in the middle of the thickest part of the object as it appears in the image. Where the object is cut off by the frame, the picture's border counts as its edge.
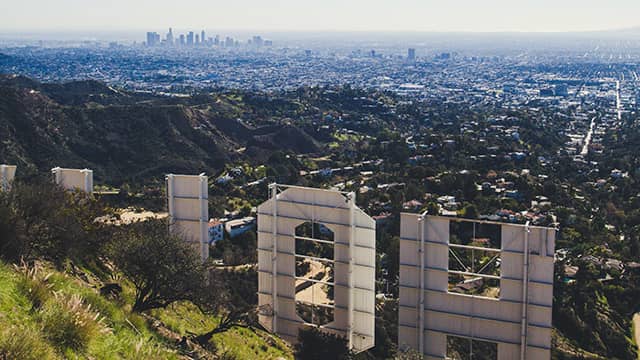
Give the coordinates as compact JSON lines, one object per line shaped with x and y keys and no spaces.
{"x":302,"y":31}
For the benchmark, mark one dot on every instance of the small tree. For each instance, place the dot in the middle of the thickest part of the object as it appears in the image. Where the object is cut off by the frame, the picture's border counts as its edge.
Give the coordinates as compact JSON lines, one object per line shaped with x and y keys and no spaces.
{"x":231,"y":295}
{"x":162,"y":266}
{"x":314,"y":344}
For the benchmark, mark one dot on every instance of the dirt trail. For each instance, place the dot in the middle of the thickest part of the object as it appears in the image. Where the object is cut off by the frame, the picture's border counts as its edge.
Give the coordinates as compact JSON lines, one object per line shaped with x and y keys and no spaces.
{"x":315,"y":293}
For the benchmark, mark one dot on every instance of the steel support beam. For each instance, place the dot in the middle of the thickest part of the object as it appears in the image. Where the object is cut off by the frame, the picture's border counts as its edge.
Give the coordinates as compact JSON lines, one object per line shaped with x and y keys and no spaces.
{"x":525,"y":293}
{"x":274,"y":255}
{"x":352,"y":241}
{"x":421,"y":224}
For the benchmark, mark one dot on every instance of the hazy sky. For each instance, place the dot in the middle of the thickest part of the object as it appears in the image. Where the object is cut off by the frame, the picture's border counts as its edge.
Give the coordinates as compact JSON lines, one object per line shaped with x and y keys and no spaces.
{"x":337,"y":15}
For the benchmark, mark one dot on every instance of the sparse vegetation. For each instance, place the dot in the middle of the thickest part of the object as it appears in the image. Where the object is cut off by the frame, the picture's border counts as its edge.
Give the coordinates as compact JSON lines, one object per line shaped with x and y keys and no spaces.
{"x":69,"y":323}
{"x":162,"y":266}
{"x":51,"y":306}
{"x":24,"y":343}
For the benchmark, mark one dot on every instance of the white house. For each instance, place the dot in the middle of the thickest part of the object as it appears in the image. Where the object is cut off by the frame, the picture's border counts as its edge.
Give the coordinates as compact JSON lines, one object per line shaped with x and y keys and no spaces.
{"x":216,"y":231}
{"x":240,"y":226}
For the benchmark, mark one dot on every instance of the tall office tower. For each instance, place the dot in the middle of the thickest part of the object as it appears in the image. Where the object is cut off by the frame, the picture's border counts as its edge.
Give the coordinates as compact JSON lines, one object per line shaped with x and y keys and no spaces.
{"x":216,"y":41}
{"x":228,"y":42}
{"x":190,"y":38}
{"x":153,"y":38}
{"x":257,"y":41}
{"x":203,"y":38}
{"x":411,"y":54}
{"x":197,"y":39}
{"x":182,"y":41}
{"x":372,"y":53}
{"x":170,"y":37}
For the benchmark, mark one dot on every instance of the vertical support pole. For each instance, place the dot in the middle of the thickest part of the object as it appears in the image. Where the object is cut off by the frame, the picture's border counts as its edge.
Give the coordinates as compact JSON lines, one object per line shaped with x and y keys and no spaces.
{"x":274,"y":255}
{"x":88,"y":186}
{"x":420,"y":234}
{"x":56,"y":175}
{"x":4,"y":178}
{"x":525,"y":294}
{"x":170,"y":198}
{"x":204,"y":250}
{"x":352,"y":242}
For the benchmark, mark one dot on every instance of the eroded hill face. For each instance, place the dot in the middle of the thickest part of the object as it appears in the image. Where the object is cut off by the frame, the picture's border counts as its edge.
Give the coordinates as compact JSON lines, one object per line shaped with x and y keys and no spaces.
{"x":127,"y":136}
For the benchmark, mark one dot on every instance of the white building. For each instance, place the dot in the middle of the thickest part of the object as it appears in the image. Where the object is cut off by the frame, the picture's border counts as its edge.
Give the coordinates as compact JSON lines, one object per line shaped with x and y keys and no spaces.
{"x":240,"y":226}
{"x":216,"y":231}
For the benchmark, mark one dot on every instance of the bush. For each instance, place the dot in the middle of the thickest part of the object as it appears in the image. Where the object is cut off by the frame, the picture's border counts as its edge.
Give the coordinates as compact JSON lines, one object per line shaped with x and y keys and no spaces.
{"x":40,"y":220}
{"x":163,"y":267}
{"x":24,"y":344}
{"x":33,"y":284}
{"x":69,"y":324}
{"x":314,"y":344}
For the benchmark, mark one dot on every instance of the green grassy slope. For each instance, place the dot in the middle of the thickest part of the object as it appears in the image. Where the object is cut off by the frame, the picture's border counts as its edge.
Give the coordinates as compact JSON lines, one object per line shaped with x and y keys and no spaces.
{"x":54,"y":315}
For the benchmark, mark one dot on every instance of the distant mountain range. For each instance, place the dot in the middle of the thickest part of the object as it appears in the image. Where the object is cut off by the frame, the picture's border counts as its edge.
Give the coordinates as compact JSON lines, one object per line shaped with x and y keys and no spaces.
{"x":124,"y":136}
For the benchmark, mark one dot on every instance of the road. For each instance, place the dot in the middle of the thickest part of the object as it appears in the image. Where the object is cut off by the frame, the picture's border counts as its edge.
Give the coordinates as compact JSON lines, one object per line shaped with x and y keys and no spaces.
{"x":587,"y":139}
{"x":618,"y":101}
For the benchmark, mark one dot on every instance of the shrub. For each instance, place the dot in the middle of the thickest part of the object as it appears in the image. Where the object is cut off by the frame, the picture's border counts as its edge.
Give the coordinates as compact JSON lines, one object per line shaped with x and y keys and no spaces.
{"x":314,"y":344}
{"x":40,"y":220}
{"x":33,"y":284}
{"x":24,"y":344}
{"x":69,"y":324}
{"x":163,"y":267}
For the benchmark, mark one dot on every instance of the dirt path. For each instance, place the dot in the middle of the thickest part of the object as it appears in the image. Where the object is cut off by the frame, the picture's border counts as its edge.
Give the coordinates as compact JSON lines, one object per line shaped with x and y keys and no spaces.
{"x":315,"y":293}
{"x":129,"y":216}
{"x":636,"y":327}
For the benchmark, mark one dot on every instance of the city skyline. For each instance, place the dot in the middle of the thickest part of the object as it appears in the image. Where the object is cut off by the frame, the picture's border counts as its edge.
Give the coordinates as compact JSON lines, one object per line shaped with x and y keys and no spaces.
{"x":356,"y":15}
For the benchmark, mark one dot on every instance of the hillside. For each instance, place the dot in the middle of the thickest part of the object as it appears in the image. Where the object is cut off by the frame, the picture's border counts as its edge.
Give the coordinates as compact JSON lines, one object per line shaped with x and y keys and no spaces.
{"x":48,"y":314}
{"x":130,"y":136}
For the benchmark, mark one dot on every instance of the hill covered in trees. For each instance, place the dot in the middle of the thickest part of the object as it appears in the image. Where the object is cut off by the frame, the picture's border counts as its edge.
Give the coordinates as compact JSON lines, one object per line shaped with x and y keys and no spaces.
{"x":128,"y":136}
